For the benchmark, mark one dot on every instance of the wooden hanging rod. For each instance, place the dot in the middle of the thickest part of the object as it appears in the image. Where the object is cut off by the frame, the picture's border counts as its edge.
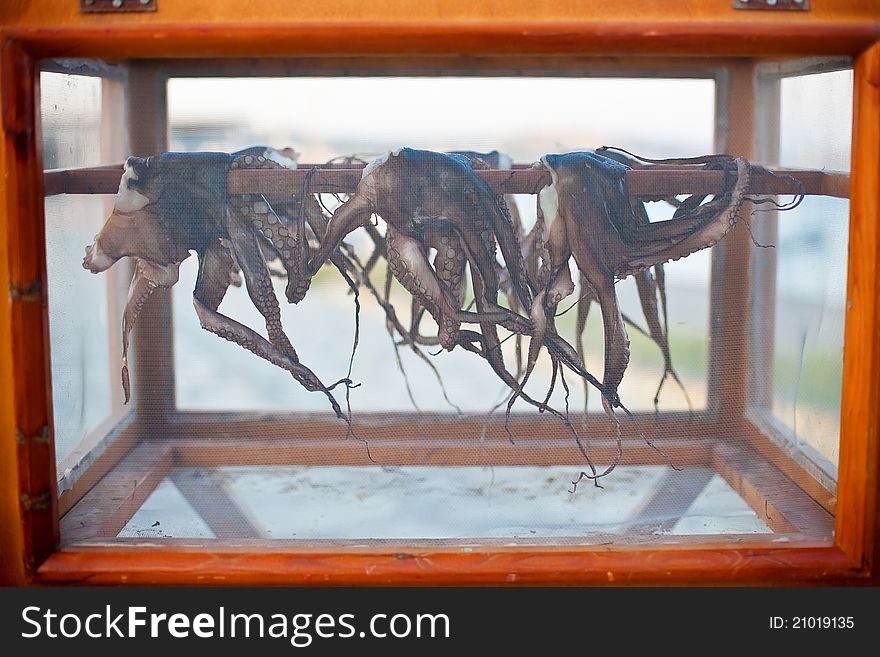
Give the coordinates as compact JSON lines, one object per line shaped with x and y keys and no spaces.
{"x":520,"y":180}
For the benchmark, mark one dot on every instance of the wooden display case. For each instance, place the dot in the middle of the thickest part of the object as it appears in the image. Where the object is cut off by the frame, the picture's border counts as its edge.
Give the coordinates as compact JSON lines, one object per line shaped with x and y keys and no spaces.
{"x":824,"y":527}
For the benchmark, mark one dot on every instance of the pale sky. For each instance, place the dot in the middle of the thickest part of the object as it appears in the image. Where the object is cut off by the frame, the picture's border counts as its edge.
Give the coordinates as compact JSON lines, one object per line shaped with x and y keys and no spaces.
{"x":526,"y":117}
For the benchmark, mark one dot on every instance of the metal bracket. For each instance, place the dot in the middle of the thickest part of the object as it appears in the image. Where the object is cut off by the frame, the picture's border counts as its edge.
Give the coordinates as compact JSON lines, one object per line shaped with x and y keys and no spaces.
{"x":116,"y":6}
{"x":33,"y":291}
{"x":39,"y":502}
{"x":773,"y":5}
{"x":41,"y":437}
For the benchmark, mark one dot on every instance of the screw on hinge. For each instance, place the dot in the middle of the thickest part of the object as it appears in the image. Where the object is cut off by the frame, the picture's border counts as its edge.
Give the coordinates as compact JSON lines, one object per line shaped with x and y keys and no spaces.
{"x":40,"y":437}
{"x":39,"y":502}
{"x":33,"y":291}
{"x":773,"y":5}
{"x":116,"y":6}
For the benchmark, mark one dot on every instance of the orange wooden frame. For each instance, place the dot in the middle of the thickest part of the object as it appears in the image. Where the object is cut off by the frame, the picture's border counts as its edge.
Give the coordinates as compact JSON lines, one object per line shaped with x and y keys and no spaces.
{"x":28,"y":504}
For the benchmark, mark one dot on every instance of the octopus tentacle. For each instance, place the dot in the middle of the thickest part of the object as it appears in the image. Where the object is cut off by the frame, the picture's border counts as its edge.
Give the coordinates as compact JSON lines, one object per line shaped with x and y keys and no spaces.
{"x":211,"y":286}
{"x":288,"y":237}
{"x":347,"y":217}
{"x":648,"y":289}
{"x":285,"y":234}
{"x":691,"y":233}
{"x":586,"y":220}
{"x":449,"y":266}
{"x":257,"y":280}
{"x":410,"y":266}
{"x":580,"y":326}
{"x":146,"y":279}
{"x":539,"y":324}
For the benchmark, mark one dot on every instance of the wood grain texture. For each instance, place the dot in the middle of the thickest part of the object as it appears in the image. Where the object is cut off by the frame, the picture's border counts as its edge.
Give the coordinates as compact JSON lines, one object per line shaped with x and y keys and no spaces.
{"x":26,"y":384}
{"x":617,"y":29}
{"x":857,"y":524}
{"x":724,"y":563}
{"x":230,"y":12}
{"x":12,"y":538}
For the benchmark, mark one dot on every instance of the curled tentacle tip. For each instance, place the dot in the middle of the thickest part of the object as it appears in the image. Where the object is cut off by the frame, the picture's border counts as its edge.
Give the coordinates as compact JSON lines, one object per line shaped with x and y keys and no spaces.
{"x":126,"y":384}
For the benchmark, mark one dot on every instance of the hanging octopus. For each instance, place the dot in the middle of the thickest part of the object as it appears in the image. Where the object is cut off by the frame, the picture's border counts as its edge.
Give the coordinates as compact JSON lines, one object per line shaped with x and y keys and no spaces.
{"x":175,"y":203}
{"x":587,"y":213}
{"x":435,"y":200}
{"x":170,"y":205}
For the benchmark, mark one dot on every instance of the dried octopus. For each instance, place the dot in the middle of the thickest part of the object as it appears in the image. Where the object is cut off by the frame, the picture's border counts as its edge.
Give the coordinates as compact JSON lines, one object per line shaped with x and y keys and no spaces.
{"x":437,"y":200}
{"x":172,"y":204}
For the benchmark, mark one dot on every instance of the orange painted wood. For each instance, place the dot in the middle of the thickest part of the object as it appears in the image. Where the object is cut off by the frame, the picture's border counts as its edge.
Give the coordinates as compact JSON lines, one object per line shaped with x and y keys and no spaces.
{"x":28,"y":385}
{"x":857,"y":524}
{"x":726,"y":563}
{"x":230,"y":12}
{"x":122,"y":39}
{"x":668,"y":182}
{"x":12,"y":529}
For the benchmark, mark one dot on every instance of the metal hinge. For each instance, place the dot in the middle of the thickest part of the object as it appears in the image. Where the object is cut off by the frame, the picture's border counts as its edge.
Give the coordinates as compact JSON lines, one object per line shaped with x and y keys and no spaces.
{"x":773,"y":5}
{"x":116,"y":6}
{"x":33,"y":291}
{"x":39,"y":502}
{"x":41,"y":437}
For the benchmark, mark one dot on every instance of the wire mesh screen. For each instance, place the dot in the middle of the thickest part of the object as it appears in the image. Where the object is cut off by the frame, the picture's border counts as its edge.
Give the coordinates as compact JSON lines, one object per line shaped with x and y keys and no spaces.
{"x":313,"y":115}
{"x":449,"y":309}
{"x":82,"y":329}
{"x":801,"y":327}
{"x":812,"y":264}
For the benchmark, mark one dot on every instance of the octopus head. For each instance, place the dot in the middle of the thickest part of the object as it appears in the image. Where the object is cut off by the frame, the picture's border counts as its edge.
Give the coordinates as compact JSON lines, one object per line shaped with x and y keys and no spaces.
{"x":134,"y":228}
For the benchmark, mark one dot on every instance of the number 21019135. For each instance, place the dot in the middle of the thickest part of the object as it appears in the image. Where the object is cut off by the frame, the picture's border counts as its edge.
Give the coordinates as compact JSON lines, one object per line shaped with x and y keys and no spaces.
{"x":812,"y":622}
